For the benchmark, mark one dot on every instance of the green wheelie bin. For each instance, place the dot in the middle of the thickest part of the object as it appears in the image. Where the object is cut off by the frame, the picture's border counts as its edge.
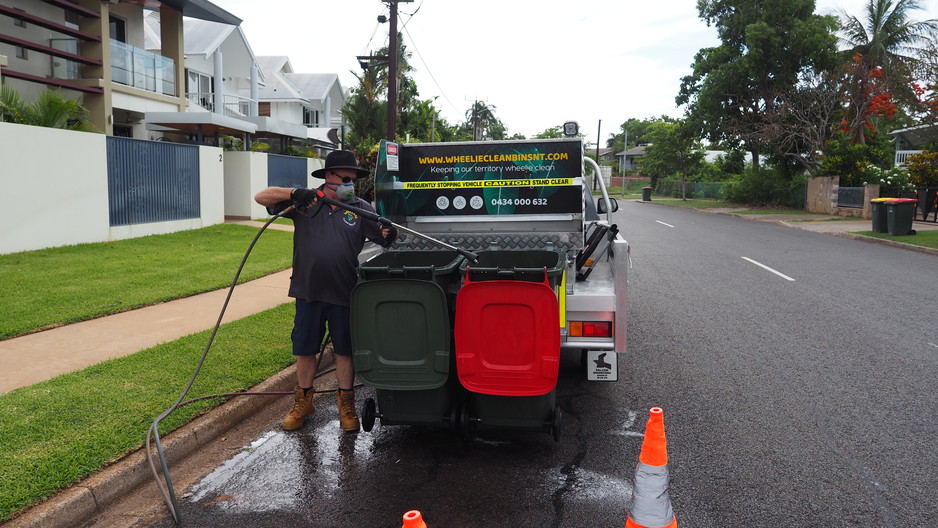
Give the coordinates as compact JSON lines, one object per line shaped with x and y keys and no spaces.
{"x":899,"y":215}
{"x":878,"y":206}
{"x":401,"y":317}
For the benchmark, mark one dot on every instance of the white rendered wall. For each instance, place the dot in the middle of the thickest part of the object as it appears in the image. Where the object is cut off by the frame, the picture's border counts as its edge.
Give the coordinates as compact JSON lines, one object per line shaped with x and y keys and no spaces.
{"x":53,"y":187}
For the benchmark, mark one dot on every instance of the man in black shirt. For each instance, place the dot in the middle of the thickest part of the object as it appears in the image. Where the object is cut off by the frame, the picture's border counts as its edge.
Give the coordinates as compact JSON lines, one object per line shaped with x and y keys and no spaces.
{"x":326,"y":242}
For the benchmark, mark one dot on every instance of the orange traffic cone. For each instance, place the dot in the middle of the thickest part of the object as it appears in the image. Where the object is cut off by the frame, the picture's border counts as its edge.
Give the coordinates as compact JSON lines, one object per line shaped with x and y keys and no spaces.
{"x":413,"y":519}
{"x":651,"y":506}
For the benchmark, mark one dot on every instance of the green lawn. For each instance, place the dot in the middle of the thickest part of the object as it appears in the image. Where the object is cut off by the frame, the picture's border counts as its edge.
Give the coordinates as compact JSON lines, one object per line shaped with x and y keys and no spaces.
{"x":922,"y":238}
{"x":50,"y":287}
{"x":55,"y":432}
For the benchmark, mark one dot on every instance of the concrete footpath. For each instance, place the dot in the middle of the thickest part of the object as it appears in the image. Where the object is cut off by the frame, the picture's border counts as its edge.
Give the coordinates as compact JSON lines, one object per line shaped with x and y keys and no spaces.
{"x":43,"y":355}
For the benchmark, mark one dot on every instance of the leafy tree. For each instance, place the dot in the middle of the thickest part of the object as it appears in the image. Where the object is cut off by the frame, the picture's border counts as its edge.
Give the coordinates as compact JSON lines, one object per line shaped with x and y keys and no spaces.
{"x":365,"y":111}
{"x":674,"y":151}
{"x":765,"y":44}
{"x":886,"y":47}
{"x":733,"y":162}
{"x":551,"y":133}
{"x":802,"y":121}
{"x":923,"y":169}
{"x":849,"y":159}
{"x":51,"y":109}
{"x":636,"y":130}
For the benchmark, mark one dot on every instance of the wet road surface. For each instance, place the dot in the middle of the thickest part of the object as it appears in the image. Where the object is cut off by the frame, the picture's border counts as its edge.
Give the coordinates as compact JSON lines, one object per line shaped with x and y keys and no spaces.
{"x":319,"y":477}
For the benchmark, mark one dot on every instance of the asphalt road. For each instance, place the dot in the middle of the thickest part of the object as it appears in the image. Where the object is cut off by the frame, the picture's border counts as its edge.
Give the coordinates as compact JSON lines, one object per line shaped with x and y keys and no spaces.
{"x":797,"y":372}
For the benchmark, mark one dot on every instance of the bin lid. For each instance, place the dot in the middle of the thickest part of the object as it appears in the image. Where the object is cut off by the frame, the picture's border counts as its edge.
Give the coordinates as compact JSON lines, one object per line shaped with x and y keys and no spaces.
{"x":526,"y":265}
{"x":881,"y":199}
{"x":902,"y":200}
{"x":400,"y":334}
{"x":507,"y":337}
{"x":412,"y":265}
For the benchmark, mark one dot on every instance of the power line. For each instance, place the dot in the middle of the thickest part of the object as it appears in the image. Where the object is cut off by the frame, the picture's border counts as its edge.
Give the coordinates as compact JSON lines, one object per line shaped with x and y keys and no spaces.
{"x":414,"y":44}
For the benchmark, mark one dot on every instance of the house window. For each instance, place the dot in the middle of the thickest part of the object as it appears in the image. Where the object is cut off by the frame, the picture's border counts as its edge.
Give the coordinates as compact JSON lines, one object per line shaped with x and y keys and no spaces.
{"x":71,"y":18}
{"x":310,"y":117}
{"x":126,"y":131}
{"x":118,"y":29}
{"x":263,"y":109}
{"x":19,"y":22}
{"x":200,"y":89}
{"x":21,"y":53}
{"x":64,"y":68}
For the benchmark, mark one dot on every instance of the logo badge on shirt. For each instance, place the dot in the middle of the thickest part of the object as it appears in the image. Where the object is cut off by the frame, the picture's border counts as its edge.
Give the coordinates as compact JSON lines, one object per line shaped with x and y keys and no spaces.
{"x":351,"y":218}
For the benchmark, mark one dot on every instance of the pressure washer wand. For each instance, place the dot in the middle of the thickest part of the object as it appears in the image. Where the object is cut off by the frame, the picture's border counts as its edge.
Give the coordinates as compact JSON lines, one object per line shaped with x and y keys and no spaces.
{"x":375,"y":217}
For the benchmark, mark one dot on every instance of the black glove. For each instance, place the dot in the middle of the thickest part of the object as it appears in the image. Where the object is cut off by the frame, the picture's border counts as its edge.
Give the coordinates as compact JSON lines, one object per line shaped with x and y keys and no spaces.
{"x":302,"y":196}
{"x":392,"y":236}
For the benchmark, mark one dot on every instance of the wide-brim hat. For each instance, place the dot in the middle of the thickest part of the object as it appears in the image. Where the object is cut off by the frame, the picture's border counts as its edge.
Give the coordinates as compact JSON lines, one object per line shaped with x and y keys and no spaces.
{"x":341,"y":159}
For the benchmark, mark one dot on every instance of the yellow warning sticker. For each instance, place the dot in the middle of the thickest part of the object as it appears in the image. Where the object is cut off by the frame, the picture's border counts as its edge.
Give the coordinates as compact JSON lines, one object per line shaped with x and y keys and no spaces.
{"x":474,"y":184}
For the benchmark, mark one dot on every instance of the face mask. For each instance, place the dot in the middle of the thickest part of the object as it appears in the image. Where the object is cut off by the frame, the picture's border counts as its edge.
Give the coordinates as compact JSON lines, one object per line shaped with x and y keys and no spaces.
{"x":343,"y":191}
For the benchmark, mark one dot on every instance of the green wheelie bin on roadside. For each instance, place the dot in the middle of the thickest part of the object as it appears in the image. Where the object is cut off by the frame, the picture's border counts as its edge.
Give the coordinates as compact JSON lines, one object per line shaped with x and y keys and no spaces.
{"x":899,"y":215}
{"x":878,"y":206}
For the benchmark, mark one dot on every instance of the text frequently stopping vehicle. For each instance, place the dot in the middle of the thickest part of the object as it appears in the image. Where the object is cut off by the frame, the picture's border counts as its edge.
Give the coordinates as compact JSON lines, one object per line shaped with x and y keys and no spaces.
{"x":476,"y":344}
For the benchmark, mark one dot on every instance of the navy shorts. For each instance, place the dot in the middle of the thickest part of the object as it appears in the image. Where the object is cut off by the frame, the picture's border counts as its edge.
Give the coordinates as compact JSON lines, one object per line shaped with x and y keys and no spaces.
{"x":309,"y":327}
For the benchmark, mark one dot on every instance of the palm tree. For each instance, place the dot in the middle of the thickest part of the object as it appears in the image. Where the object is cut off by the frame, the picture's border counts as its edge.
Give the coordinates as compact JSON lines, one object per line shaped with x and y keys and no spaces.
{"x":482,"y":117}
{"x":887,"y":47}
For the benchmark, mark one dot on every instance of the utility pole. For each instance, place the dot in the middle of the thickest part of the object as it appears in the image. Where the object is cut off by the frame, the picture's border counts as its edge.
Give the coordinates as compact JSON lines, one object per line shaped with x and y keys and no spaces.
{"x":392,"y":72}
{"x":598,"y":128}
{"x":625,"y":155}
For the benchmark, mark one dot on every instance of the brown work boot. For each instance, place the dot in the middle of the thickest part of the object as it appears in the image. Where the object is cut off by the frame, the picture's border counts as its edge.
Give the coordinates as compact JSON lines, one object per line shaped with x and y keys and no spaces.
{"x":302,"y":407}
{"x":348,"y":420}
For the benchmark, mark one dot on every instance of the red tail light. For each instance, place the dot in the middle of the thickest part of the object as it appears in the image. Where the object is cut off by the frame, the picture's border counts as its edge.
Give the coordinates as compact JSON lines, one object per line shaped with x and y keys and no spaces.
{"x":590,"y":329}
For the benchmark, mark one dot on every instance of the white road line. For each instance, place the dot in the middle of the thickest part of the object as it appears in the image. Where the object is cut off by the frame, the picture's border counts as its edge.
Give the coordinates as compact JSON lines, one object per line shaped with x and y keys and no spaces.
{"x":934,"y":345}
{"x":763,"y":266}
{"x":662,"y":223}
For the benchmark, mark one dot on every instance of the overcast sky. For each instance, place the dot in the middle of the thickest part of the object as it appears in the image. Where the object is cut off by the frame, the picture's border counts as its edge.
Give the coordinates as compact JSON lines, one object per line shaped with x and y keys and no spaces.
{"x":539,"y":63}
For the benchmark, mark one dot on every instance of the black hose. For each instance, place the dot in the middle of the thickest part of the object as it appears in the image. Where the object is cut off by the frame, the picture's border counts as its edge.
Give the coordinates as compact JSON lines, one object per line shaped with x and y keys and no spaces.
{"x":167,"y":491}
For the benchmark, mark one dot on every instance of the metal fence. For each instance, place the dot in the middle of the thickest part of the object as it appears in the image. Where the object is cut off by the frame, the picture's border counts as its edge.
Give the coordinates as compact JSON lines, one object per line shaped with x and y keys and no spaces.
{"x":151,"y":181}
{"x":286,"y":171}
{"x":700,"y":190}
{"x":850,"y":197}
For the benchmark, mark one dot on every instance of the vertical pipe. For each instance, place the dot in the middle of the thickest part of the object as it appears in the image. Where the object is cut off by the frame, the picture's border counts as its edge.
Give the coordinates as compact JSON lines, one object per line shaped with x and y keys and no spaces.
{"x":219,"y":107}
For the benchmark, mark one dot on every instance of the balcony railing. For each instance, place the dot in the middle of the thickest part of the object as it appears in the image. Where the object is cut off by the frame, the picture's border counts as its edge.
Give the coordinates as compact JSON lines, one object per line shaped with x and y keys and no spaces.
{"x":233,"y":106}
{"x":142,"y":69}
{"x":903,"y":155}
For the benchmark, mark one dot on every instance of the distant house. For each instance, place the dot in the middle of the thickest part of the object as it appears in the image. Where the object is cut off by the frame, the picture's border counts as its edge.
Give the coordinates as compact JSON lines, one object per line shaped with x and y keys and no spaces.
{"x":606,"y":156}
{"x":628,"y":159}
{"x":223,"y":82}
{"x":314,"y":99}
{"x":910,"y":141}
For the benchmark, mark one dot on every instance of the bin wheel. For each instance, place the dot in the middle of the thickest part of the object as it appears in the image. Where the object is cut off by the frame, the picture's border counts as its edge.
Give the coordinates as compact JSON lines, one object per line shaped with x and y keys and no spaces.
{"x":465,"y":422}
{"x":368,"y":415}
{"x":555,"y":424}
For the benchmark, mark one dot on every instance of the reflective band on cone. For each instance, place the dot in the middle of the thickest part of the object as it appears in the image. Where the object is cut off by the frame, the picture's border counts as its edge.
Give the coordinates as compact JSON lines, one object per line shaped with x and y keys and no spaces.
{"x":651,"y":506}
